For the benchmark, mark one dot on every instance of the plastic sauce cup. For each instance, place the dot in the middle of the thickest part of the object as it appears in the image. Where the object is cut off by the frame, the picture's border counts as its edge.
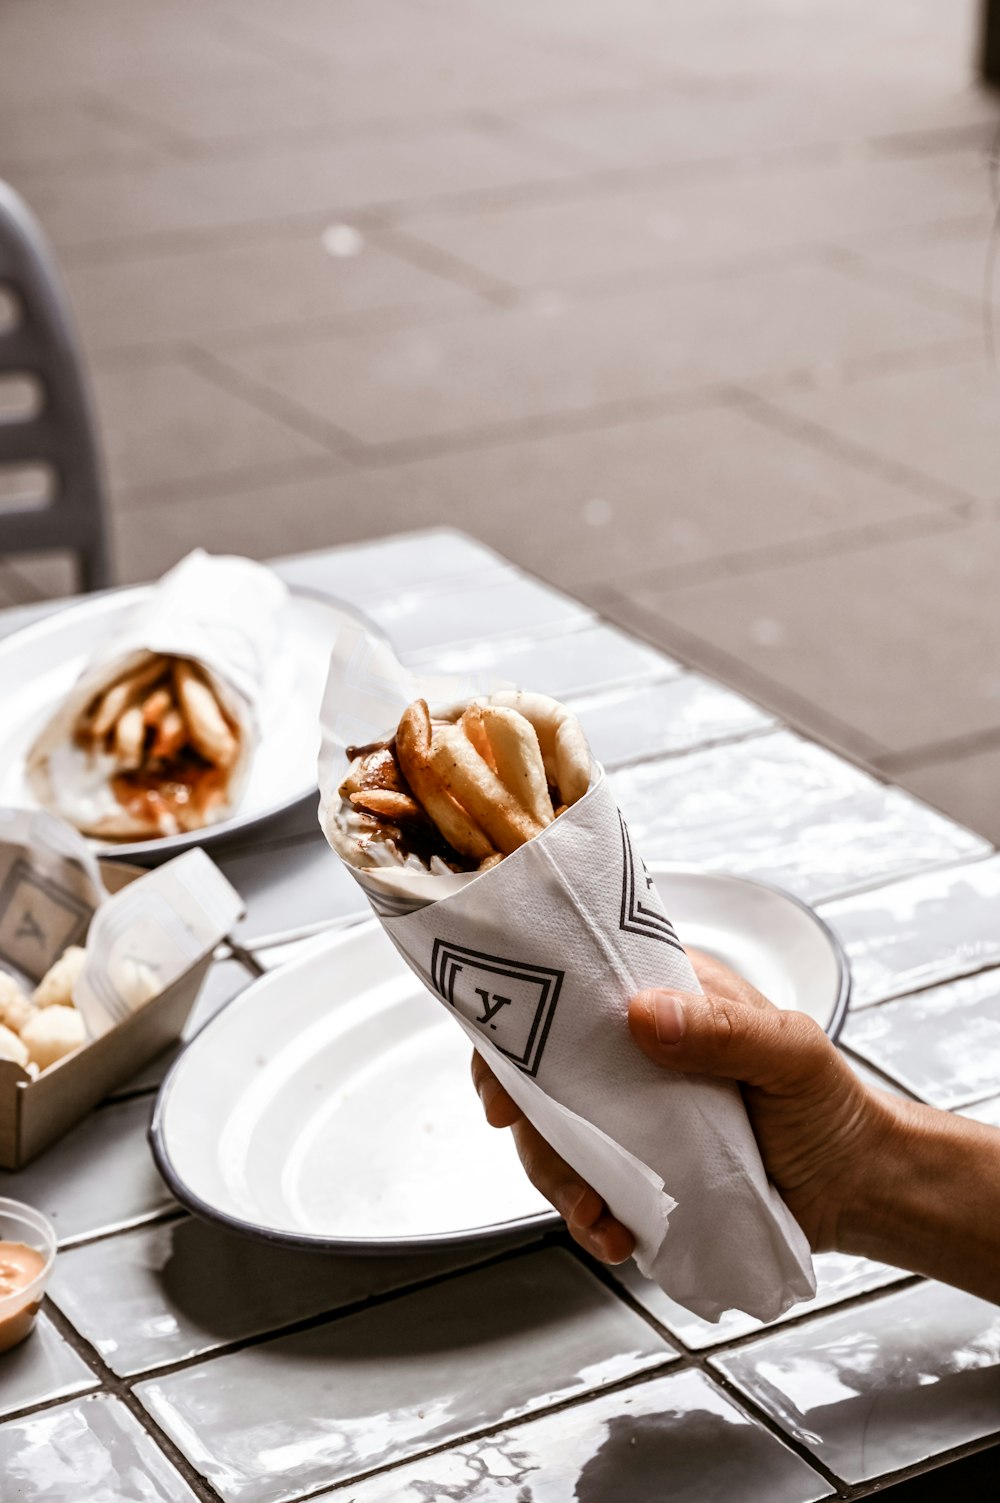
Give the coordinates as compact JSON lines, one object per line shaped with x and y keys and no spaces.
{"x":24,"y":1225}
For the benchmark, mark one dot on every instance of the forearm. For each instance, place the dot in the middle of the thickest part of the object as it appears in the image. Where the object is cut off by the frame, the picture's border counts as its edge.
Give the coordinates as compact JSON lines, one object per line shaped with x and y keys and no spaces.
{"x":929,"y":1200}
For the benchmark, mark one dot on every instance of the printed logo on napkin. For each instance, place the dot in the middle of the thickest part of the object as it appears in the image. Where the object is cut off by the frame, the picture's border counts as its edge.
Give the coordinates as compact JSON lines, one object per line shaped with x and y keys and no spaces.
{"x":513,"y":1003}
{"x":641,"y":909}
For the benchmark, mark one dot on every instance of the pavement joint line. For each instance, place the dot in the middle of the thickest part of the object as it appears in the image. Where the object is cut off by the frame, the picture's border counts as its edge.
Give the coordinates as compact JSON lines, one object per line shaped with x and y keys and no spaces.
{"x":862,"y":268}
{"x":265,"y":399}
{"x":723,"y":567}
{"x":401,"y":242}
{"x":914,"y":758}
{"x":768,"y":411}
{"x":131,"y":501}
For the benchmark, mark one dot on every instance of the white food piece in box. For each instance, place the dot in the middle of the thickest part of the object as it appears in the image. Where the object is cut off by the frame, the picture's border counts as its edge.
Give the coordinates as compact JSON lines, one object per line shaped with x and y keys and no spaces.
{"x":51,"y":1034}
{"x":15,"y":1005}
{"x":56,"y":987}
{"x":11,"y":1047}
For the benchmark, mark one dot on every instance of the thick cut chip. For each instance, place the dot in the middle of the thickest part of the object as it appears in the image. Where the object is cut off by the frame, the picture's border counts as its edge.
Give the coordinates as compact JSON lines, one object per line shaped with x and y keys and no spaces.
{"x":413,"y":748}
{"x":478,"y":789}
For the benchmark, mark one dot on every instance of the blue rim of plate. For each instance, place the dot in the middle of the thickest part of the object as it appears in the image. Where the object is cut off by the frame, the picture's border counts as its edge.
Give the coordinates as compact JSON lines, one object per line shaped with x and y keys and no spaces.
{"x":497,"y":1232}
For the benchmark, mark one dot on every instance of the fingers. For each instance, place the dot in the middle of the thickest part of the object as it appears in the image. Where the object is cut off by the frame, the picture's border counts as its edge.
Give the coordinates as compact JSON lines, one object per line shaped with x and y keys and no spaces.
{"x":500,"y":1109}
{"x":713,"y":1034}
{"x":588,"y":1220}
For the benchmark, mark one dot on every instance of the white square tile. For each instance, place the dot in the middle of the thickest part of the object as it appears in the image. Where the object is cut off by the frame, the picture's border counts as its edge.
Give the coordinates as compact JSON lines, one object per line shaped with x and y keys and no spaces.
{"x":923,"y":929}
{"x":164,"y":1293}
{"x":839,"y":1276}
{"x":564,"y":664}
{"x":942,"y":1044}
{"x":679,"y":1433}
{"x":883,"y":1386}
{"x":787,"y":811}
{"x":420,"y":621}
{"x":303,"y":1412}
{"x":99,"y":1177}
{"x":90,"y":1451}
{"x":412,"y":560}
{"x":42,"y":1368}
{"x":626,"y":725}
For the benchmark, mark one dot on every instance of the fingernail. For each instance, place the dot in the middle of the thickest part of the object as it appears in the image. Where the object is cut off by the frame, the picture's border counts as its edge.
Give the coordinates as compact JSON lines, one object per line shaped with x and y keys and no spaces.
{"x":566,"y":1200}
{"x":668,"y":1018}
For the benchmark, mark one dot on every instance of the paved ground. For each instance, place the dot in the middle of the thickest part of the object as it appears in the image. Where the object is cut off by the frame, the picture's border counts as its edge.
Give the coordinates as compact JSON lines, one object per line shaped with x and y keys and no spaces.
{"x":678,"y":302}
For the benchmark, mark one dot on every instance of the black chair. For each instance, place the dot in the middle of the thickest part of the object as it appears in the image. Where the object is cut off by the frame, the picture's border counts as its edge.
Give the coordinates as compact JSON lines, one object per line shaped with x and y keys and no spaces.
{"x":55,"y":428}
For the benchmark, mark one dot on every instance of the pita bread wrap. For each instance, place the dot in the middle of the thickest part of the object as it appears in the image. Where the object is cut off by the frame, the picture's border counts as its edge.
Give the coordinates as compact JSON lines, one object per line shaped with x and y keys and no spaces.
{"x":158,"y":733}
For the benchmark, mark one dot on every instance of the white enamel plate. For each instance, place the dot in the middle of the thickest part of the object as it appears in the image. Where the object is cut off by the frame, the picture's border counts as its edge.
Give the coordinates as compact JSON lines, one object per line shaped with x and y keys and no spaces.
{"x":39,"y":665}
{"x":330,"y":1104}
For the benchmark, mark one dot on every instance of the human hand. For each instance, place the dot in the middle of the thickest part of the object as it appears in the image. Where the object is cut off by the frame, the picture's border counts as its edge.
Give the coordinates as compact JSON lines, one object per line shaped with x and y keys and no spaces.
{"x":817,"y":1126}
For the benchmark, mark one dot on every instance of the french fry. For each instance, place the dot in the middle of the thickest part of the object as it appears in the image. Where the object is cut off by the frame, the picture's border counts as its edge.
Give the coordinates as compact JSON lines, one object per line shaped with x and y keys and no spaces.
{"x":472,"y":784}
{"x":130,"y":734}
{"x":156,"y":705}
{"x":171,"y":734}
{"x":386,"y":803}
{"x":413,"y":748}
{"x":516,"y":756}
{"x":472,"y":724}
{"x":122,"y":694}
{"x":207,"y":726}
{"x":564,"y":746}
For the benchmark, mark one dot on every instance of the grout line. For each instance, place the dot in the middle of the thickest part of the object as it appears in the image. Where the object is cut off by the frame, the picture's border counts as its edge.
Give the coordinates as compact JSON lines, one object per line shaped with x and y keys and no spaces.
{"x":114,"y":1387}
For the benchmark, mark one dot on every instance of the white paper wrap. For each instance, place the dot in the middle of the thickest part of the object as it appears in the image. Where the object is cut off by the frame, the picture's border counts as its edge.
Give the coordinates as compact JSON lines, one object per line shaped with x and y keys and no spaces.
{"x":223,"y":613}
{"x":138,"y":940}
{"x":537,"y":959}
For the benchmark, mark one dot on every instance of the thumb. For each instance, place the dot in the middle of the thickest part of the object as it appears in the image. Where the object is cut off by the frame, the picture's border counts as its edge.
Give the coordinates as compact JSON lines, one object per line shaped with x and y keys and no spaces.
{"x":707,"y":1034}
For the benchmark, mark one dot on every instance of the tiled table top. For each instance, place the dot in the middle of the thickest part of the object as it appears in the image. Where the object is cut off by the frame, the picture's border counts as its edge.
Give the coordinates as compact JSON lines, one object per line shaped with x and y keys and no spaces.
{"x":176,"y":1361}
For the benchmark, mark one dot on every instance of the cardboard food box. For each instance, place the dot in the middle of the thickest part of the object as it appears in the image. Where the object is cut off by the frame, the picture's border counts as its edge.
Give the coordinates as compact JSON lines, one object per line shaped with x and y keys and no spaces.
{"x":40,"y":915}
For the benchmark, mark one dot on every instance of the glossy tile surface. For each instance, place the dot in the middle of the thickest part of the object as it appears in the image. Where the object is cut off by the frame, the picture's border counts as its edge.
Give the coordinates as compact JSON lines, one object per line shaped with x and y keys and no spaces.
{"x":882,"y":1386}
{"x":787,"y":811}
{"x":359,"y":573}
{"x":163,"y":1293}
{"x":564,"y":663}
{"x":97,"y":1178}
{"x":90,"y":1451}
{"x":928,"y":928}
{"x":43,"y":1367}
{"x":943,"y":1044}
{"x":419,"y":621}
{"x":625,"y":725}
{"x":839,"y":1276}
{"x":278,"y":1420}
{"x":290,"y":889}
{"x":678,"y":1437}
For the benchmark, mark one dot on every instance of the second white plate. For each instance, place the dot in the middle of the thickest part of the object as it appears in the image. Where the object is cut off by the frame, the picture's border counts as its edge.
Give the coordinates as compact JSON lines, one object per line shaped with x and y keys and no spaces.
{"x":330,"y":1104}
{"x":39,"y":665}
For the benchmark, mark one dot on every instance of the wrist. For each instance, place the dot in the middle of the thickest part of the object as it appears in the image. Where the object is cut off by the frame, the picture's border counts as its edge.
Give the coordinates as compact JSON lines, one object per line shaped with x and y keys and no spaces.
{"x":923,"y":1196}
